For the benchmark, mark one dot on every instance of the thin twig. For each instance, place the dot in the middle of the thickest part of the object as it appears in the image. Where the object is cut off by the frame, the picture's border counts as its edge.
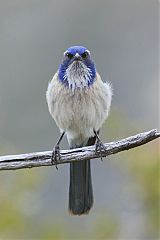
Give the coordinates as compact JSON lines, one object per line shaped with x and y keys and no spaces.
{"x":38,"y":159}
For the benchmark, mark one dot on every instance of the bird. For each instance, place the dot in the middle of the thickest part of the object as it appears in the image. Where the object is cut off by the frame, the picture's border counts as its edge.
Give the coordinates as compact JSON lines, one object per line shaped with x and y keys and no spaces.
{"x":79,"y":101}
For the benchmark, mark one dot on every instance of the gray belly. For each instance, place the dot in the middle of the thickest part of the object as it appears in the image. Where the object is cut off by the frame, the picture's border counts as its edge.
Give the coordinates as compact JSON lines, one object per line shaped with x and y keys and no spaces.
{"x":80,"y":113}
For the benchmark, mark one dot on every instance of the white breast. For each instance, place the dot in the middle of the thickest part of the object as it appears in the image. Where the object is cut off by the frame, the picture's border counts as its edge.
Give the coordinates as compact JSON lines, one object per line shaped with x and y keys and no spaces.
{"x":79,"y":113}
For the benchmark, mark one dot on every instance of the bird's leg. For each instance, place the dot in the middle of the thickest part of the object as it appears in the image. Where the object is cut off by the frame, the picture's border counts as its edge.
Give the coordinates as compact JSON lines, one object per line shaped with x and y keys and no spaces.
{"x":56,"y":151}
{"x":99,"y":144}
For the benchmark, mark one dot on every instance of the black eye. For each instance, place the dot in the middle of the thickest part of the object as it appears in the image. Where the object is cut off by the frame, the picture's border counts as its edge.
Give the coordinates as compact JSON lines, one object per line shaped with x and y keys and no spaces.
{"x":85,"y":54}
{"x":69,"y":55}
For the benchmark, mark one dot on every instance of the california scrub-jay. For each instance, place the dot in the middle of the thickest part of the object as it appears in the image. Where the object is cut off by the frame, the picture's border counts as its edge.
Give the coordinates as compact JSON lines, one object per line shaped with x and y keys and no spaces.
{"x":79,"y":102}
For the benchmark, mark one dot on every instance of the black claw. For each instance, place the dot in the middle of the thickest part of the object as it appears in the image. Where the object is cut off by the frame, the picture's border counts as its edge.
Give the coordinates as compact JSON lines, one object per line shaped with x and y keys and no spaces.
{"x":100,"y":148}
{"x":55,"y":156}
{"x":56,"y":152}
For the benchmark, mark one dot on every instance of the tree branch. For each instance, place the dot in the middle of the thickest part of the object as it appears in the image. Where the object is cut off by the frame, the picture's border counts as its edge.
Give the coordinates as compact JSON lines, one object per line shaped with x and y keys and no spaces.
{"x":38,"y":159}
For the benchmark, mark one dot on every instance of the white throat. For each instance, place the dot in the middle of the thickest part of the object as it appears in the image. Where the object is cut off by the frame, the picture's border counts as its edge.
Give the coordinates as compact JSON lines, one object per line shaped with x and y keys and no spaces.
{"x":78,"y":75}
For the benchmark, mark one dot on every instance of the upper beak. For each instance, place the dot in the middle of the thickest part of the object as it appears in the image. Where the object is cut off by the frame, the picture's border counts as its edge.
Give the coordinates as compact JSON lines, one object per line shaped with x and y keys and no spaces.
{"x":77,"y":57}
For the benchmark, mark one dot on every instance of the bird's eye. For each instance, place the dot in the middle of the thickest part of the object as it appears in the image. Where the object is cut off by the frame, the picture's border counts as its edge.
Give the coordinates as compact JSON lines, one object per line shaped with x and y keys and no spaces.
{"x":69,"y":55}
{"x":85,"y":54}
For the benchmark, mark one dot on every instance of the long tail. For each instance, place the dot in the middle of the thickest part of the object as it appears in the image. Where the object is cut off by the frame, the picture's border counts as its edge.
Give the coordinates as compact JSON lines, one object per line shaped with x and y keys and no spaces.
{"x":80,"y":189}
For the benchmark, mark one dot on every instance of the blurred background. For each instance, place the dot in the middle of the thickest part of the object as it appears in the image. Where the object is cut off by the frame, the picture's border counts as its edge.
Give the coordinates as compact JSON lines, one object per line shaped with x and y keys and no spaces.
{"x":122,"y":36}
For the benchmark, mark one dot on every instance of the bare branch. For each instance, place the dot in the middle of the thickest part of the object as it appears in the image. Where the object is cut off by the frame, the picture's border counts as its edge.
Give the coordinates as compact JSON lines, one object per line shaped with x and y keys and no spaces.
{"x":38,"y":159}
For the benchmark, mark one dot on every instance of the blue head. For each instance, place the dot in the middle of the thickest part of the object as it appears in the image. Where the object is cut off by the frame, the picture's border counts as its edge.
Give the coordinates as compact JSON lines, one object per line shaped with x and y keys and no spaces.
{"x":77,"y":69}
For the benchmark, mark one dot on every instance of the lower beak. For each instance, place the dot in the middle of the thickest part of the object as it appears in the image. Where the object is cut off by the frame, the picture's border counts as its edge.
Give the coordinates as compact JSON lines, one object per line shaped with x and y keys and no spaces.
{"x":77,"y":57}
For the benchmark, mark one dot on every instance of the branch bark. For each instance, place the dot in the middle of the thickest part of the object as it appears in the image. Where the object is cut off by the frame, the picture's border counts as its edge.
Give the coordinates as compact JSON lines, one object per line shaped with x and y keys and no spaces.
{"x":38,"y":159}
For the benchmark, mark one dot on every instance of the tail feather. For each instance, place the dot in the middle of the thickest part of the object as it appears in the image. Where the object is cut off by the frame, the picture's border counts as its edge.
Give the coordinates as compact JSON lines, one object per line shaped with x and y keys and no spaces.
{"x":80,"y":189}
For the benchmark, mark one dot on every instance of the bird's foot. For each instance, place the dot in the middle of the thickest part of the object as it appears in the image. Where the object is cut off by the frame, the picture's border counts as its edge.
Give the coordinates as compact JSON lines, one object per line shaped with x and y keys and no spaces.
{"x":55,"y":155}
{"x":100,"y":148}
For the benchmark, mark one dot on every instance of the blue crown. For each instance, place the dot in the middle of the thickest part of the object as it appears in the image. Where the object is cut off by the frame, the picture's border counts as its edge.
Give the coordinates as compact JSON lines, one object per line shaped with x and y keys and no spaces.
{"x":76,"y":49}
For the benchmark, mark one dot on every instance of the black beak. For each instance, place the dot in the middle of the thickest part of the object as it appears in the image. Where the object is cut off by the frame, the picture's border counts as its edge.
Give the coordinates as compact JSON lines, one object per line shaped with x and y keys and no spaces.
{"x":77,"y":57}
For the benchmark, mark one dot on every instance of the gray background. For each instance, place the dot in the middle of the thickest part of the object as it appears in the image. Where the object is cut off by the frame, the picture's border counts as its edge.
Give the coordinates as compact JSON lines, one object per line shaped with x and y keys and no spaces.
{"x":123,"y":39}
